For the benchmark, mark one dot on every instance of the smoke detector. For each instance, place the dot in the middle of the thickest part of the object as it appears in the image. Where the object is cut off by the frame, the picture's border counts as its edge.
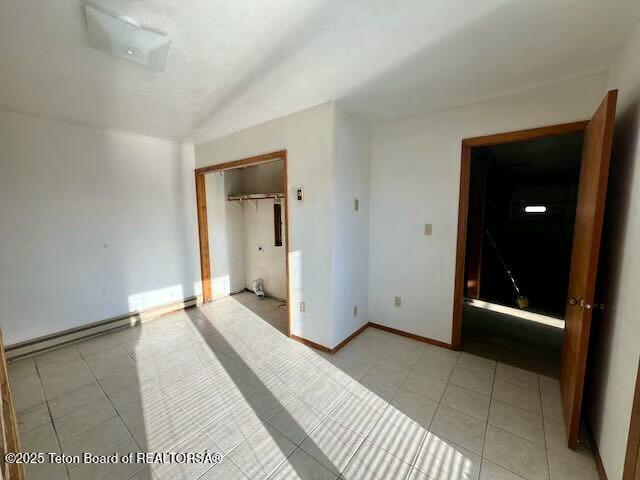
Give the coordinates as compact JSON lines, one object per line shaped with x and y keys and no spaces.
{"x":124,"y":37}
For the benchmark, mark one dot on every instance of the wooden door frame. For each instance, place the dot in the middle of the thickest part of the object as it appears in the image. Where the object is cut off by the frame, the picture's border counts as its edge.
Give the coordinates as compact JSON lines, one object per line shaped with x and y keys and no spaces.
{"x":203,"y":227}
{"x":463,"y":203}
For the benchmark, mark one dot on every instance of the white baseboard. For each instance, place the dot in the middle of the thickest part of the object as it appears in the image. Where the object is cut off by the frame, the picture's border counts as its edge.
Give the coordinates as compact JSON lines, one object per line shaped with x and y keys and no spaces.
{"x":37,"y":345}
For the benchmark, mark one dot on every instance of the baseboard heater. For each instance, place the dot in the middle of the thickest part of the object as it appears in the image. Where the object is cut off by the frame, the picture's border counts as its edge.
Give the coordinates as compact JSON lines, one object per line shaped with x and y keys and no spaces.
{"x":46,"y":342}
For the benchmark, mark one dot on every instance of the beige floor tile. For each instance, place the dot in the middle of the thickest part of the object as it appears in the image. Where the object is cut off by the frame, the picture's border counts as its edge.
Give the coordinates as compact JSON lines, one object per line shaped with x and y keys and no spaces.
{"x":21,"y":368}
{"x":39,"y":440}
{"x":425,"y":385}
{"x":517,"y":421}
{"x":109,"y":361}
{"x":196,"y":443}
{"x":131,"y":396}
{"x":517,"y":396}
{"x":381,"y":386}
{"x":463,"y":377}
{"x":83,"y":419}
{"x":478,"y":364}
{"x":113,"y":471}
{"x":97,"y":344}
{"x":323,"y":394}
{"x":354,"y":413}
{"x":556,"y":438}
{"x":226,"y":470}
{"x":232,"y":428}
{"x":296,"y":420}
{"x":162,"y":434}
{"x":384,"y":390}
{"x":32,"y":418}
{"x":268,"y":401}
{"x":64,"y":378}
{"x":76,"y":399}
{"x":441,"y":354}
{"x":332,"y":444}
{"x":296,"y":379}
{"x":121,"y":380}
{"x":516,"y":454}
{"x":467,"y":401}
{"x":208,"y":405}
{"x":262,"y":452}
{"x":56,"y":357}
{"x":459,"y":428}
{"x":301,"y":466}
{"x":434,"y":367}
{"x":563,"y":468}
{"x":517,"y":376}
{"x":373,"y":463}
{"x":45,"y":471}
{"x":373,"y":395}
{"x":27,"y":392}
{"x":418,"y":408}
{"x":398,"y":434}
{"x":390,"y":371}
{"x":97,"y":440}
{"x":152,"y":408}
{"x":551,"y":399}
{"x":441,"y":459}
{"x":491,"y":471}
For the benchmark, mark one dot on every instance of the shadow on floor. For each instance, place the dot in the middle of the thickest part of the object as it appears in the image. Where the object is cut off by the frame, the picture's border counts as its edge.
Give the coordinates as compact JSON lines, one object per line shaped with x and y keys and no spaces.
{"x":272,"y":310}
{"x":514,"y":341}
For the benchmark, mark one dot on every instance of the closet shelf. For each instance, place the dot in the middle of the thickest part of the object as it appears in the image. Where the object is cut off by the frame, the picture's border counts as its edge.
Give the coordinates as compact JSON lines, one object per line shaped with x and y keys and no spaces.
{"x":254,"y":196}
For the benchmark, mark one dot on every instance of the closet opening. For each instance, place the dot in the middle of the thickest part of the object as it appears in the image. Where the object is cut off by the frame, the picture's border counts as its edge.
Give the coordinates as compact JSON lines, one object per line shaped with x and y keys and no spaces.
{"x":243,"y":226}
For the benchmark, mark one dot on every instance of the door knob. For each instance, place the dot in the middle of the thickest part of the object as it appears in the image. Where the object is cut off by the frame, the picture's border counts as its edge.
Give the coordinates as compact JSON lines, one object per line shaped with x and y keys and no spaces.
{"x":574,"y":301}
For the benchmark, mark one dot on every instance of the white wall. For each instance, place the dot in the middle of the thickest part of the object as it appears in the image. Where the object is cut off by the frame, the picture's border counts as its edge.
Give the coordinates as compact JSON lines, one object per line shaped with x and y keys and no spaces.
{"x":350,"y":228}
{"x":263,"y":178}
{"x":225,"y":223}
{"x":270,"y":263}
{"x":616,"y":349}
{"x":307,"y":136}
{"x":93,"y":224}
{"x":415,"y":175}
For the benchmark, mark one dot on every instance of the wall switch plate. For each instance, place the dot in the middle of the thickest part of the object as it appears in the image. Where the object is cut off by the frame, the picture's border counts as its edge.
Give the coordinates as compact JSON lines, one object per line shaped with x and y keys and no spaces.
{"x":397,"y":301}
{"x":302,"y":307}
{"x":428,"y":229}
{"x":356,"y":204}
{"x":355,"y":310}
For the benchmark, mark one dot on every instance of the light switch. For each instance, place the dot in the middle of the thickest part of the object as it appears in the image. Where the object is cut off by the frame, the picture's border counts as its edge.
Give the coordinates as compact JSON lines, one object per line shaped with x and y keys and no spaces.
{"x":428,"y":229}
{"x":356,"y":204}
{"x":397,"y":301}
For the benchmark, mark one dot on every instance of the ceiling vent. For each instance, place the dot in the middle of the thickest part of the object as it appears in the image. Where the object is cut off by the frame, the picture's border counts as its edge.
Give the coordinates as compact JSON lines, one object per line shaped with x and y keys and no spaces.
{"x":124,"y":37}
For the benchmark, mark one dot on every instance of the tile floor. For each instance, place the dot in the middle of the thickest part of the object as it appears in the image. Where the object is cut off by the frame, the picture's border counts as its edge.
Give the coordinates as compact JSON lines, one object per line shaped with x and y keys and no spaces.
{"x":271,"y":310}
{"x":220,"y":378}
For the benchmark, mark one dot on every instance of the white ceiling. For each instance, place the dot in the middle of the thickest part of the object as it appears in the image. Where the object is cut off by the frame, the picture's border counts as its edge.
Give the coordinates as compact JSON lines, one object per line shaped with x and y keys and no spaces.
{"x":236,"y":63}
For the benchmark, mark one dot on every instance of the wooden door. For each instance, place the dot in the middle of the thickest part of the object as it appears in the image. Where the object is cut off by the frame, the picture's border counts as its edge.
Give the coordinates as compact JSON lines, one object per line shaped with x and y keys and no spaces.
{"x":594,"y":173}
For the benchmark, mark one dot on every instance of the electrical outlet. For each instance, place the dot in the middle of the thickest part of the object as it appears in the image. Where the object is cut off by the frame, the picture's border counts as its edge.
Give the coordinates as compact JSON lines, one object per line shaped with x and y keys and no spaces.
{"x":356,"y":204}
{"x":355,"y":310}
{"x":397,"y":301}
{"x":428,"y":229}
{"x":302,"y":307}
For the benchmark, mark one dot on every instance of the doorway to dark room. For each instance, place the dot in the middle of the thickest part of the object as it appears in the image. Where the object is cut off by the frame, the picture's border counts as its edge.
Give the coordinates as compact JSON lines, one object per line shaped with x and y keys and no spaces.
{"x":522,"y":204}
{"x":522,"y":201}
